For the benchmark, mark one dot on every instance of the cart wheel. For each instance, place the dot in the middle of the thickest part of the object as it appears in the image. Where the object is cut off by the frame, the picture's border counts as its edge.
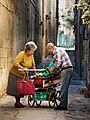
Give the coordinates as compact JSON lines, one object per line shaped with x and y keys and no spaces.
{"x":30,"y":101}
{"x":52,"y":99}
{"x":57,"y":100}
{"x":38,"y":102}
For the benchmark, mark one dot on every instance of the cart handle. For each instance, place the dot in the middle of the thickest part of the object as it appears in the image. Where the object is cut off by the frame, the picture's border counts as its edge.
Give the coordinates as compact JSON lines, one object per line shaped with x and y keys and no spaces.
{"x":32,"y":70}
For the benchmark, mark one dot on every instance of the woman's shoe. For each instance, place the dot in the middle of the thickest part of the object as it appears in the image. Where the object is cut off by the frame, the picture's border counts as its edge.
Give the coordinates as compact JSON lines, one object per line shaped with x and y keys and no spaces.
{"x":19,"y":105}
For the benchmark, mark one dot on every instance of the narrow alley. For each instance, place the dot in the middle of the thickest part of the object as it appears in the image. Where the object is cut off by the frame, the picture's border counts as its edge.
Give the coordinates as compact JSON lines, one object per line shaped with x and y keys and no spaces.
{"x":65,"y":24}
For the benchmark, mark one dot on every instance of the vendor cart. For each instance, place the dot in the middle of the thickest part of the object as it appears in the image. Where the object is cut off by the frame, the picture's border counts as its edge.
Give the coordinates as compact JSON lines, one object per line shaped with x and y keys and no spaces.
{"x":46,"y":89}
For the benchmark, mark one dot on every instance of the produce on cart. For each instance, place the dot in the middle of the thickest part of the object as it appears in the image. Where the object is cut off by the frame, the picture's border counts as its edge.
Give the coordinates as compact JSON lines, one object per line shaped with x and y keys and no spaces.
{"x":45,"y":72}
{"x":45,"y":83}
{"x":45,"y":78}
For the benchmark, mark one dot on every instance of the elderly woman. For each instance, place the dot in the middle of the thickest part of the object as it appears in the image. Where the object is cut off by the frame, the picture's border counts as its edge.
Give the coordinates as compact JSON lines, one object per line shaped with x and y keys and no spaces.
{"x":24,"y":60}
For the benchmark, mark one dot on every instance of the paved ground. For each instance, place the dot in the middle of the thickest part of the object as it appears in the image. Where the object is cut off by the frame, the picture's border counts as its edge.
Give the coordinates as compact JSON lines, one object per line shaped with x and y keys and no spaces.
{"x":79,"y":107}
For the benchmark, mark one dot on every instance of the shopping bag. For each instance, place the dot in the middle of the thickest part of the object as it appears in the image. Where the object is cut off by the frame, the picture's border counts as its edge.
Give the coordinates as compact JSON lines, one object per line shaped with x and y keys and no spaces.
{"x":25,"y":87}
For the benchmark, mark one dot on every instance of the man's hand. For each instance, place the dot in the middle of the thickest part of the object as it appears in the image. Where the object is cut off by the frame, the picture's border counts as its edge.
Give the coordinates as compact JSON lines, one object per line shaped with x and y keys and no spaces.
{"x":50,"y":70}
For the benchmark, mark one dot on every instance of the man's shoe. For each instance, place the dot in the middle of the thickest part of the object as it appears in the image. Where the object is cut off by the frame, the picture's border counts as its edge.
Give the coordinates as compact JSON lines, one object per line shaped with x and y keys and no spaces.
{"x":60,"y":108}
{"x":19,"y":105}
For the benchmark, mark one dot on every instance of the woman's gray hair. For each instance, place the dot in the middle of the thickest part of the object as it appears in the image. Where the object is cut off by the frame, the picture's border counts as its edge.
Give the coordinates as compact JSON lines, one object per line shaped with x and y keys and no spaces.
{"x":30,"y":46}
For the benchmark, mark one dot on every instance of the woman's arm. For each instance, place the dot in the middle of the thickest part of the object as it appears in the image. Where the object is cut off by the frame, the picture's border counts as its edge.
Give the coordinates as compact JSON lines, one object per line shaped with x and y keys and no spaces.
{"x":34,"y":70}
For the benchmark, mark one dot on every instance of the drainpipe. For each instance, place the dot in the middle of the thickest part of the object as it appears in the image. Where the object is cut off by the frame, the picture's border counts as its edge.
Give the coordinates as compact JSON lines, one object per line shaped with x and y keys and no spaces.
{"x":57,"y":3}
{"x":43,"y":32}
{"x":44,"y":37}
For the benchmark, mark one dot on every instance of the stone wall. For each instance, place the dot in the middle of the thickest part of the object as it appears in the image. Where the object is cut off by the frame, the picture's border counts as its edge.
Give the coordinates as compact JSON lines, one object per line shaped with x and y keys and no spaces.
{"x":12,"y":36}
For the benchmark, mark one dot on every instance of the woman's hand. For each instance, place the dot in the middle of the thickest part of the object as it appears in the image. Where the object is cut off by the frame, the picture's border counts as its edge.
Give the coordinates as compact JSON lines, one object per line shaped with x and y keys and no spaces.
{"x":25,"y":69}
{"x":34,"y":70}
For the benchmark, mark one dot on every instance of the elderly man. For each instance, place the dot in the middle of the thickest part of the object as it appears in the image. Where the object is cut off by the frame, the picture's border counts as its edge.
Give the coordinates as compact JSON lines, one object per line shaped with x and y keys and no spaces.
{"x":63,"y":64}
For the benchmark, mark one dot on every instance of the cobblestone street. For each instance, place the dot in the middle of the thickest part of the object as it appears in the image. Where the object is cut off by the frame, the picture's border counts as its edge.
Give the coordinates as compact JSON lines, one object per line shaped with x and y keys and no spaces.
{"x":79,"y":107}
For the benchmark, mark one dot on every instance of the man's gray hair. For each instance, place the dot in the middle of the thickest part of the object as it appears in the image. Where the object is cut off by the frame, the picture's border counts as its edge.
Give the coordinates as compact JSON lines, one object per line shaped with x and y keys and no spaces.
{"x":30,"y":46}
{"x":49,"y":45}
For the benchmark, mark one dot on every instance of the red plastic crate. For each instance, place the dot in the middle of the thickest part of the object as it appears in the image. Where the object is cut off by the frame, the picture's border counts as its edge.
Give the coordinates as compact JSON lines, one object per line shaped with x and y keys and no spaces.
{"x":39,"y":82}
